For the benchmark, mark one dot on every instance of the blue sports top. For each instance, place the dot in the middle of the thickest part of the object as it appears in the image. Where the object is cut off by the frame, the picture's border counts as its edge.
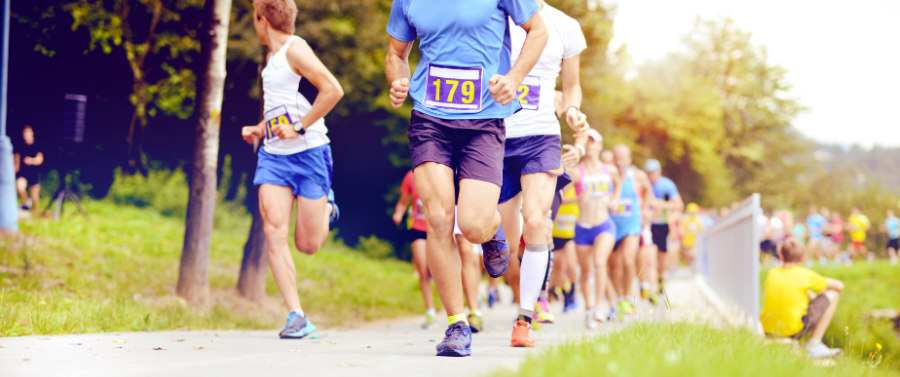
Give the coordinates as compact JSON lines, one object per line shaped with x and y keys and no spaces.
{"x":664,"y":189}
{"x":814,"y":224}
{"x":628,"y":216}
{"x":463,"y":44}
{"x":893,"y":228}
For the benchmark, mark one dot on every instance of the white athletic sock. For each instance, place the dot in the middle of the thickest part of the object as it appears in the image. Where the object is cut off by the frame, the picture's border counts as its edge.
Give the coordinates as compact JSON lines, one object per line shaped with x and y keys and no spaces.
{"x":299,"y":311}
{"x":534,"y":267}
{"x":430,"y":312}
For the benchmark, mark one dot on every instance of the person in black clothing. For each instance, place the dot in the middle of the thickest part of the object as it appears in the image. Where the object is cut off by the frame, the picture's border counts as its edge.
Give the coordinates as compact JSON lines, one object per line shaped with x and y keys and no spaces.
{"x":28,"y":160}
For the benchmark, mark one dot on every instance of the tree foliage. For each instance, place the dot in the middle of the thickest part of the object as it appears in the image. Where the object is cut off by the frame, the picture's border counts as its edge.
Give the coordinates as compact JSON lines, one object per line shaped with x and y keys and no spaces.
{"x":159,"y":41}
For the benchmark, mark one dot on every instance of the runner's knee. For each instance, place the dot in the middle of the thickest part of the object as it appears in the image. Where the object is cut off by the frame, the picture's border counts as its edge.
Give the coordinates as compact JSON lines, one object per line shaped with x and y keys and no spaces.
{"x":477,"y":230}
{"x":535,"y":223}
{"x":275,"y":234}
{"x":307,"y":245}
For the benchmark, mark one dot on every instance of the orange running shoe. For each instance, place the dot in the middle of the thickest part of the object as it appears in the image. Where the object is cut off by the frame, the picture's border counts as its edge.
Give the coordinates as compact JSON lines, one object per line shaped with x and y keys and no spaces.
{"x":521,"y":335}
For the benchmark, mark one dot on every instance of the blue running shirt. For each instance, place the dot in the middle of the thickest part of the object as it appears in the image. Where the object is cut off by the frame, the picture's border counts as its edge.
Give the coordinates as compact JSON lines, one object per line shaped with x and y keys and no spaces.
{"x":463,"y":44}
{"x":664,"y":189}
{"x":893,"y":228}
{"x":814,"y":224}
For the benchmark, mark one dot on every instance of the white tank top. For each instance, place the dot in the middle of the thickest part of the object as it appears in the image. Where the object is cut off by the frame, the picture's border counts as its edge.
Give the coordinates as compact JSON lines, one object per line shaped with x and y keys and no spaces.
{"x":287,"y":97}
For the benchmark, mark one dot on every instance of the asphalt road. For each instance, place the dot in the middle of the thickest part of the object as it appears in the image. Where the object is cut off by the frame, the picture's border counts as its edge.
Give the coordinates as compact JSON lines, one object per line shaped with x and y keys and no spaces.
{"x":397,"y":349}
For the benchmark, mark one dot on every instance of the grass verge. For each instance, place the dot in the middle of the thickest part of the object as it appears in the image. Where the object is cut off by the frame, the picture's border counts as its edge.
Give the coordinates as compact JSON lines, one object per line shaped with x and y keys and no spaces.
{"x":680,"y":349}
{"x":117,"y":270}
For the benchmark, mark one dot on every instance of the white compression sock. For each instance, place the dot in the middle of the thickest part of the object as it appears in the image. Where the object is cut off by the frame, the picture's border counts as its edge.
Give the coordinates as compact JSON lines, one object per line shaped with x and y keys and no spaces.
{"x":533,"y":269}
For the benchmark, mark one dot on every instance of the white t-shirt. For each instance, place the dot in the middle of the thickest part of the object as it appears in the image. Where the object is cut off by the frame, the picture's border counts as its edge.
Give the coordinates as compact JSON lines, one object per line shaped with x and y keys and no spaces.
{"x":287,"y":97}
{"x":565,"y":40}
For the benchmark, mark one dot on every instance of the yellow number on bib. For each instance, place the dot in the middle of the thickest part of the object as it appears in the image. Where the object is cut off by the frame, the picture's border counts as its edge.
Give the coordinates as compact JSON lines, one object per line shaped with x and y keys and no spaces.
{"x":437,"y":89}
{"x":468,"y":91}
{"x":454,"y":84}
{"x":524,"y":90}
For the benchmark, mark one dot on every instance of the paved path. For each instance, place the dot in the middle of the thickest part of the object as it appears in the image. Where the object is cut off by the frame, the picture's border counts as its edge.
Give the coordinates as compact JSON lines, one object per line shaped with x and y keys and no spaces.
{"x":400,"y":349}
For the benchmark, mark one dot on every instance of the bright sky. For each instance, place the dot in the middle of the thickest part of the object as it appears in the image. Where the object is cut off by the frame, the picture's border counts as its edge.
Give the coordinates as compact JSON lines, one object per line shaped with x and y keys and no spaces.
{"x":842,"y":57}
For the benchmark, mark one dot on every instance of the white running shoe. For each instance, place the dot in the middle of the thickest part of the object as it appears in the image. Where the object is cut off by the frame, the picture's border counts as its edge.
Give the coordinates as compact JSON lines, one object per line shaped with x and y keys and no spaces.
{"x":819,"y":350}
{"x":589,"y":321}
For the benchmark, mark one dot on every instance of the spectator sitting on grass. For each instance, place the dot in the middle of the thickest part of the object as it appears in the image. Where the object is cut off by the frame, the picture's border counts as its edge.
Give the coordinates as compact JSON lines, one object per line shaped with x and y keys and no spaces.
{"x":790,"y":309}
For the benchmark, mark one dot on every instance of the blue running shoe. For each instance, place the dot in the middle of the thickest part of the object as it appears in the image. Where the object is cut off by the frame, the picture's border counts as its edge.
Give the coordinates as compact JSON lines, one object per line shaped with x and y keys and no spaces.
{"x":457,"y":341}
{"x":569,"y":299}
{"x":297,"y":327}
{"x":496,"y":255}
{"x":612,"y":315}
{"x":492,"y":297}
{"x":335,"y":212}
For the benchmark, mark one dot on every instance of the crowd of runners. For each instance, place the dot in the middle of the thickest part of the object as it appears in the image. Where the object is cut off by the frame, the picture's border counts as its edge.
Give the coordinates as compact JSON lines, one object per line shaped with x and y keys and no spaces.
{"x":492,"y":188}
{"x":829,"y":238}
{"x":489,"y":171}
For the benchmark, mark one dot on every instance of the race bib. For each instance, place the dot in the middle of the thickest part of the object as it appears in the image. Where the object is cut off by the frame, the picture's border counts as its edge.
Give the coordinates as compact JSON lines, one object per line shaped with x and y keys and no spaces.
{"x":274,"y":117}
{"x":529,"y":93}
{"x":565,"y":223}
{"x":625,"y":207}
{"x":599,"y":187}
{"x":453,"y":88}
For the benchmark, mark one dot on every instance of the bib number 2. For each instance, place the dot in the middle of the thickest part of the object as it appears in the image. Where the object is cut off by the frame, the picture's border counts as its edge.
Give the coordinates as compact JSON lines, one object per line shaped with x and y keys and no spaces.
{"x":529,"y":93}
{"x":454,"y":88}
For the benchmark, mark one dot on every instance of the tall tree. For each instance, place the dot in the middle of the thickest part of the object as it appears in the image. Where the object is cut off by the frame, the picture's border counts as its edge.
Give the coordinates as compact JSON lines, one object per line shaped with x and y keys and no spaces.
{"x":759,"y":146}
{"x":193,"y":277}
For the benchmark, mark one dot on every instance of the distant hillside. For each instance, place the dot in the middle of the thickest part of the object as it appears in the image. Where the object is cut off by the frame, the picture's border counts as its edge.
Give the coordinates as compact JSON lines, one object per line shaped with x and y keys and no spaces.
{"x":877,"y":164}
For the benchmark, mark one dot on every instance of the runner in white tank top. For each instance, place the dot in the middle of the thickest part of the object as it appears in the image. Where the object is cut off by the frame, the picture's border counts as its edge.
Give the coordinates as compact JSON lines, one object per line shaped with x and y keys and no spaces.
{"x":295,"y":163}
{"x":287,"y":98}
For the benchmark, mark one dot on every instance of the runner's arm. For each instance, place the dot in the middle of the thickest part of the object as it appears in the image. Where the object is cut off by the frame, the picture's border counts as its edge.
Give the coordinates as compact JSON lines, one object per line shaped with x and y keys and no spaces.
{"x":397,"y":70}
{"x":305,"y":62}
{"x":571,"y":90}
{"x":38,"y":159}
{"x":16,"y":162}
{"x":648,"y":189}
{"x":835,"y":285}
{"x":252,"y":134}
{"x":566,"y":200}
{"x":617,"y":191}
{"x":535,"y":40}
{"x":400,"y":208}
{"x":675,"y":203}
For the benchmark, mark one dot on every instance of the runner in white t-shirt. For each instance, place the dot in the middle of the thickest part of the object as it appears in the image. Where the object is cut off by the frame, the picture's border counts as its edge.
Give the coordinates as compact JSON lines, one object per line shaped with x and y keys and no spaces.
{"x":532,"y":159}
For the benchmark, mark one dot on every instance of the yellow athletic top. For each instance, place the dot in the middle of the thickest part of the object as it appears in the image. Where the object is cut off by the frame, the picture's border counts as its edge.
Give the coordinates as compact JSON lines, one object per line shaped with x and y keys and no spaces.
{"x":859,"y":224}
{"x":691,"y":227}
{"x":785,"y":301}
{"x":564,"y":226}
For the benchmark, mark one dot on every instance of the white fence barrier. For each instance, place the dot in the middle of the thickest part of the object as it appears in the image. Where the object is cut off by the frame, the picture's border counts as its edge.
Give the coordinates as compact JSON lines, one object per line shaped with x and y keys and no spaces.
{"x":727,"y":263}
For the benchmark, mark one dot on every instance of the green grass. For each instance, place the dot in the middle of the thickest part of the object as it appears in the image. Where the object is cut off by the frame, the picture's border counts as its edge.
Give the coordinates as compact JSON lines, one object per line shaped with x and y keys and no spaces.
{"x":867,"y":287}
{"x":679,"y":349}
{"x":117,"y":270}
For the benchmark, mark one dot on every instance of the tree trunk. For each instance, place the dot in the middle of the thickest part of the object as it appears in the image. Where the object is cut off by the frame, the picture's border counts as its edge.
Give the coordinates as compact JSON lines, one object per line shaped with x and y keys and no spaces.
{"x":193,"y":276}
{"x":254,"y":266}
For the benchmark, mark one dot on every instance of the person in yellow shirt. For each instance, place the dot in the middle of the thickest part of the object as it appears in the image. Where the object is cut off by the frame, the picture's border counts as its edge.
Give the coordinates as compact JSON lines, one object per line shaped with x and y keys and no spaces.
{"x":790,"y":310}
{"x":859,"y":224}
{"x":565,"y":260}
{"x":691,"y":226}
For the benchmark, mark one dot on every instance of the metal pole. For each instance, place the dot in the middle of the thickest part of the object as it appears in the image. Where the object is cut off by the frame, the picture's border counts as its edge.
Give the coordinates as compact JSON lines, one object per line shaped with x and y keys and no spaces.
{"x":9,"y":213}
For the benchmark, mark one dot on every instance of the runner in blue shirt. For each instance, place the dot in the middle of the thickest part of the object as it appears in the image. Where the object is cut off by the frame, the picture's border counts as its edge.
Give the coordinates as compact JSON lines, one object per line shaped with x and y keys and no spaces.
{"x":814,"y":224}
{"x":892,"y":227}
{"x":669,"y":205}
{"x":462,"y":90}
